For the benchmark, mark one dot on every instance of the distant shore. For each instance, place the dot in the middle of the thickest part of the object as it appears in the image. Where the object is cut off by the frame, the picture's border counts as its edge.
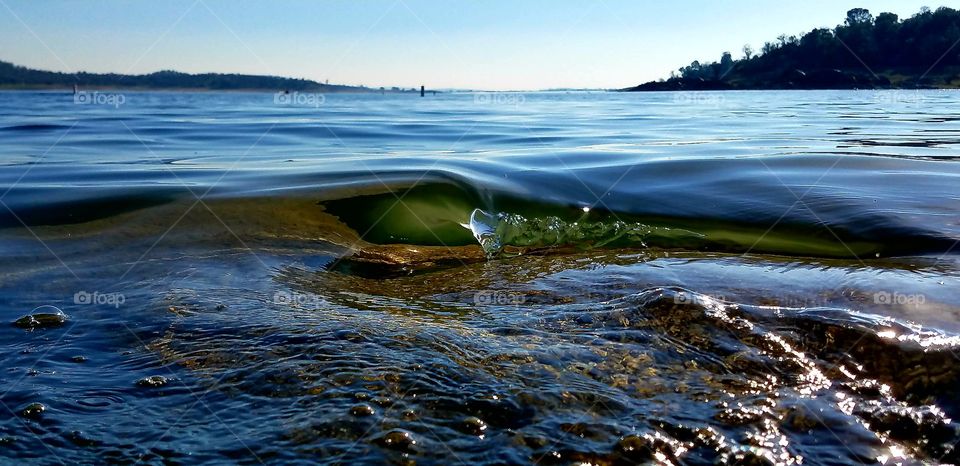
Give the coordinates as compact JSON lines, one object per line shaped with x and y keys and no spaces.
{"x":864,"y":52}
{"x":815,"y":79}
{"x":14,"y":77}
{"x":69,"y":89}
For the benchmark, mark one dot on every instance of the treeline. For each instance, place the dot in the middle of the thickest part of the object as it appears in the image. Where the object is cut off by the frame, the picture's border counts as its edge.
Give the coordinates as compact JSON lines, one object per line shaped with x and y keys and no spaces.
{"x":13,"y":76}
{"x":864,"y":51}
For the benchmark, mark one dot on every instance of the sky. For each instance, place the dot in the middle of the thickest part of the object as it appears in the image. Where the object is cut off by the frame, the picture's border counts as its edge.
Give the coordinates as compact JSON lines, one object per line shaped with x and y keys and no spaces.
{"x":477,"y":44}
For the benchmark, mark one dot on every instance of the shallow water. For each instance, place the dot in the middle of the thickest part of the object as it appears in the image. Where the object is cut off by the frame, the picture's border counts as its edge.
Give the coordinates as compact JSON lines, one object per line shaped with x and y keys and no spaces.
{"x":493,"y":278}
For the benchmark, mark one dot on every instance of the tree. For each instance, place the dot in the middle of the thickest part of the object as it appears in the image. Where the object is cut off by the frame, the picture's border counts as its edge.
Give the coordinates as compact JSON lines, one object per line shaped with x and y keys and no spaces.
{"x":886,"y":21}
{"x":858,"y":17}
{"x":885,"y":43}
{"x":726,"y":65}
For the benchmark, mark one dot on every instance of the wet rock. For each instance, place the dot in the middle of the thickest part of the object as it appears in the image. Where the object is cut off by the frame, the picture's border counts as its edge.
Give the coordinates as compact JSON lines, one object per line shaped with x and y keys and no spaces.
{"x":41,"y":320}
{"x":534,"y":442}
{"x":362,"y":410}
{"x":634,"y":448}
{"x":33,"y":410}
{"x":749,"y":458}
{"x":153,"y":381}
{"x":80,"y":439}
{"x":399,"y":440}
{"x":382,"y":401}
{"x":924,"y":423}
{"x":801,"y":419}
{"x":474,"y":426}
{"x":350,"y":335}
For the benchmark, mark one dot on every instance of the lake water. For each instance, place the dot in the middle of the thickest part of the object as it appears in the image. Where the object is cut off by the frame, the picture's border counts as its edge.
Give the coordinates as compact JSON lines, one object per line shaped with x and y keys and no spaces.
{"x":556,"y":278}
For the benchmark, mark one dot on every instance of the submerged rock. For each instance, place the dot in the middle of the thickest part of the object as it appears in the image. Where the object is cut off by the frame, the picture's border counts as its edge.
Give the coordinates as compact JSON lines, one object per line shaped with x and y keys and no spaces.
{"x":153,"y":381}
{"x":397,"y":439}
{"x":474,"y":426}
{"x":41,"y":320}
{"x":362,"y":410}
{"x":33,"y":410}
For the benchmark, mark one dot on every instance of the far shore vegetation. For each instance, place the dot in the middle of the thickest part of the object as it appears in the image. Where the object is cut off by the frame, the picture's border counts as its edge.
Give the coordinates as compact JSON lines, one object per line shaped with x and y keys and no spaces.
{"x":19,"y":77}
{"x":865,"y":52}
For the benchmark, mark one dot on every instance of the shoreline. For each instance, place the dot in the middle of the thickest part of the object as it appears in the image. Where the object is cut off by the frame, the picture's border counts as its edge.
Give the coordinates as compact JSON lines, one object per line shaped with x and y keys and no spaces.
{"x":69,"y":90}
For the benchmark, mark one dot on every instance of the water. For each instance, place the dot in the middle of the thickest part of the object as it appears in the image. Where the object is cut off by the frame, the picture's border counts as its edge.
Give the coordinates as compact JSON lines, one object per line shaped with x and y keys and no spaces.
{"x":483,"y":279}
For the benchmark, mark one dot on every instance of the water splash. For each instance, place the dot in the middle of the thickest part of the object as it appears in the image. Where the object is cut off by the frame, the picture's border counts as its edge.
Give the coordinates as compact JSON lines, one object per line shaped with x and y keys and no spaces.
{"x":496,"y":231}
{"x":484,"y":227}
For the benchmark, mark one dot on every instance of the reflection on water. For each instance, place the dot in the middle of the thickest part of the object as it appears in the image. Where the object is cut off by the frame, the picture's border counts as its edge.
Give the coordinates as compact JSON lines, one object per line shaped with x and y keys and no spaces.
{"x":750,"y":278}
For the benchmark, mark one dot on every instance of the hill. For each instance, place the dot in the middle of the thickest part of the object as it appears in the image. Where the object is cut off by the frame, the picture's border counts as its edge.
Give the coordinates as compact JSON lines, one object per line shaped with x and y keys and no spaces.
{"x":865,"y":52}
{"x":18,"y":77}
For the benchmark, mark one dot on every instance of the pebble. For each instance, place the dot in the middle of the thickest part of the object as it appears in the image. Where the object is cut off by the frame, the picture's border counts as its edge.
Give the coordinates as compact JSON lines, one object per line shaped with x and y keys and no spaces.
{"x":80,"y":439}
{"x":362,"y":410}
{"x":41,"y":320}
{"x":633,"y":446}
{"x":33,"y":410}
{"x":153,"y":381}
{"x":382,"y":401}
{"x":397,"y":439}
{"x":474,"y":425}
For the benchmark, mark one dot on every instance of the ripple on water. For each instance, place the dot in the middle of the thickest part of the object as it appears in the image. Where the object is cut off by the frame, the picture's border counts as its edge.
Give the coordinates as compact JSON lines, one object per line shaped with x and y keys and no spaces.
{"x":664,"y":374}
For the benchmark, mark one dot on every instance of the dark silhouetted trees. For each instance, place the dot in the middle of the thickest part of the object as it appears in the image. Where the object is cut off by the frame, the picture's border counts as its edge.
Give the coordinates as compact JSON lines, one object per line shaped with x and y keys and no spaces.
{"x":864,"y":51}
{"x":13,"y":76}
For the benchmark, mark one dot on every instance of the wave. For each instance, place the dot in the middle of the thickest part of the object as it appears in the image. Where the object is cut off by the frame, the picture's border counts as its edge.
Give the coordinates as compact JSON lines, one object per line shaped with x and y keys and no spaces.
{"x":703,"y":205}
{"x":455,"y":213}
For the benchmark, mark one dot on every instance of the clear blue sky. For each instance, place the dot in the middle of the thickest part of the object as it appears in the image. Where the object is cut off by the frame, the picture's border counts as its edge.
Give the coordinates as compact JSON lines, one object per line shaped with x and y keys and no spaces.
{"x":481,"y":44}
